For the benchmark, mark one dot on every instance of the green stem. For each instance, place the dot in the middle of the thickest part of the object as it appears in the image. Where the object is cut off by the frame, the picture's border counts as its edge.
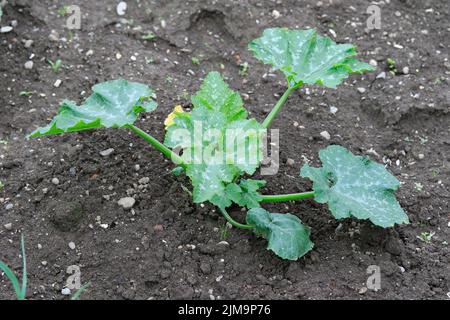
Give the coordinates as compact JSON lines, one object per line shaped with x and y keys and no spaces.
{"x":235,"y":223}
{"x":158,"y":145}
{"x":268,"y":121}
{"x":287,"y":197}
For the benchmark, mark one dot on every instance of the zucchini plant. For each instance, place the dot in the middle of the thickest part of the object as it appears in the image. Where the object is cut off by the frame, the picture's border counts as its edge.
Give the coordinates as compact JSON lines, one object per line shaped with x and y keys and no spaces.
{"x":219,"y":147}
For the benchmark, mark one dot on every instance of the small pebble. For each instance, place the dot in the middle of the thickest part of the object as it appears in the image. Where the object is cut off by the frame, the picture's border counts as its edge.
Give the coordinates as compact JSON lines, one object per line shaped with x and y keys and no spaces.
{"x":362,"y":290}
{"x":121,"y":8}
{"x":373,"y":62}
{"x":333,"y":110}
{"x":39,"y":246}
{"x":44,"y":263}
{"x":6,"y":29}
{"x":290,"y":162}
{"x":118,"y":56}
{"x":9,"y":206}
{"x":29,"y":65}
{"x":421,"y":156}
{"x":107,"y":152}
{"x":65,"y":292}
{"x":89,"y":53}
{"x":381,"y":75}
{"x":127,"y":203}
{"x":144,"y":180}
{"x":276,"y":14}
{"x":57,"y":83}
{"x":137,"y":167}
{"x":14,"y":23}
{"x":55,"y":181}
{"x":361,"y":90}
{"x":8,"y":226}
{"x":28,"y":43}
{"x":326,"y":135}
{"x":402,"y":270}
{"x":72,"y":245}
{"x":405,"y":70}
{"x":53,"y":36}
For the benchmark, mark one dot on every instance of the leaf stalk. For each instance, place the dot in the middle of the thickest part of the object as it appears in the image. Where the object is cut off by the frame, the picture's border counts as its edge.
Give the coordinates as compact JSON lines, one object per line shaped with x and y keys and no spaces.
{"x":287,"y":197}
{"x":158,"y":145}
{"x":277,"y":108}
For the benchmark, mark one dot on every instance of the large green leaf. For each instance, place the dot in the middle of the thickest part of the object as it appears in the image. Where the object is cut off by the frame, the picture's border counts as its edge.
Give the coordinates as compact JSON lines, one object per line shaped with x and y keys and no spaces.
{"x":306,"y":57}
{"x":215,"y":138}
{"x":286,"y":234}
{"x":355,"y":186}
{"x":115,"y":103}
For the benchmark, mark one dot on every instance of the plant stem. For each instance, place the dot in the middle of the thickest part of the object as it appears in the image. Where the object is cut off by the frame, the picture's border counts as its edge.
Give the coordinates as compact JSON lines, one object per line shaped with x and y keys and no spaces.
{"x":158,"y":145}
{"x":233,"y":222}
{"x":287,"y":197}
{"x":268,"y":121}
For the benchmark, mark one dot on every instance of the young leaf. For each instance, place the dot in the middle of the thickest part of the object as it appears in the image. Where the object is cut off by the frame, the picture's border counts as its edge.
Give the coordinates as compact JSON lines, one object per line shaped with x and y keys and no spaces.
{"x":286,"y":234}
{"x":115,"y":103}
{"x":218,"y":149}
{"x":249,"y":196}
{"x":306,"y":57}
{"x":355,"y":186}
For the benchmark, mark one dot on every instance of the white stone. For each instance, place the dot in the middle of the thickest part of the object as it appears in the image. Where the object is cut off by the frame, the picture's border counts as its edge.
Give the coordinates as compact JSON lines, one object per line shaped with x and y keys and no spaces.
{"x":57,"y":83}
{"x":333,"y":110}
{"x":65,"y":292}
{"x":29,"y":65}
{"x":127,"y":203}
{"x":276,"y":14}
{"x":107,"y":152}
{"x":405,"y":70}
{"x":28,"y":43}
{"x":8,"y":226}
{"x":290,"y":162}
{"x":6,"y":29}
{"x":72,"y":245}
{"x":144,"y":180}
{"x":55,"y":181}
{"x":373,"y":62}
{"x":326,"y":135}
{"x":121,"y":8}
{"x":381,"y":75}
{"x":361,"y":90}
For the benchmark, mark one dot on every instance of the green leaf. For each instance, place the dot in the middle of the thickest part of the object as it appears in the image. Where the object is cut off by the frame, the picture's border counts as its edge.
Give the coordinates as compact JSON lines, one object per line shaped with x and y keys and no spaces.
{"x":219,"y":143}
{"x":249,"y":196}
{"x":113,"y":104}
{"x":355,"y":186}
{"x":306,"y":57}
{"x":286,"y":234}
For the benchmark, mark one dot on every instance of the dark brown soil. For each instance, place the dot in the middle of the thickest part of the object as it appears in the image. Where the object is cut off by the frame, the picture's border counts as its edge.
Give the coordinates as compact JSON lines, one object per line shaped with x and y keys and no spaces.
{"x":167,"y":247}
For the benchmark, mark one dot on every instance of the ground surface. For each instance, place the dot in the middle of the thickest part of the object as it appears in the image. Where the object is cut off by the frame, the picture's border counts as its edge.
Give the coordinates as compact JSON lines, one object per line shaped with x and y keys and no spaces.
{"x":167,"y":247}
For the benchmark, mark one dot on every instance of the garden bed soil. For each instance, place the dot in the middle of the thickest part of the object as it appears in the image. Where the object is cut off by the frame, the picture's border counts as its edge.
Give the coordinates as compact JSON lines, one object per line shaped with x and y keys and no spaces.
{"x":167,"y":247}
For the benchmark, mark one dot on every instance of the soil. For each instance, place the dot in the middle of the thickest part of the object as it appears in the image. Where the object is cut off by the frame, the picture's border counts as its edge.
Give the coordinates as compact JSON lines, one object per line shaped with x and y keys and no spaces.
{"x":167,"y":247}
